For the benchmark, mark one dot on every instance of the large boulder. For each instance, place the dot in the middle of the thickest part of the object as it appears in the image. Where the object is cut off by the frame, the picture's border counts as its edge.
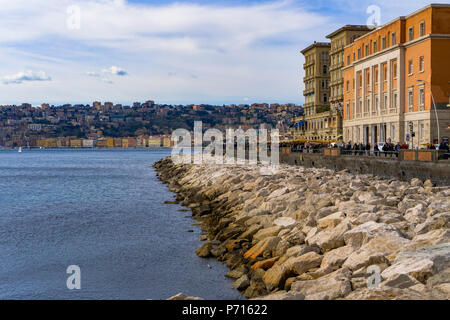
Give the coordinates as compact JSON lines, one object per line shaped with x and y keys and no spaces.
{"x":420,"y":263}
{"x":438,"y":221}
{"x":332,"y":238}
{"x":275,"y":276}
{"x":331,"y":221}
{"x":263,"y":248}
{"x":430,"y":238}
{"x":332,"y":286}
{"x":367,"y":231}
{"x":416,"y":215}
{"x":334,"y":259}
{"x":377,"y":251}
{"x":285,"y":222}
{"x":242,"y":283}
{"x":303,"y":263}
{"x":265,"y":233}
{"x":205,"y":250}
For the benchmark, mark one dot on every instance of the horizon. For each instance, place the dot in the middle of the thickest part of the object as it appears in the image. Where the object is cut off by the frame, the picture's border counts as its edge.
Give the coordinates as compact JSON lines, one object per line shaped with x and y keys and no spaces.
{"x":177,"y":52}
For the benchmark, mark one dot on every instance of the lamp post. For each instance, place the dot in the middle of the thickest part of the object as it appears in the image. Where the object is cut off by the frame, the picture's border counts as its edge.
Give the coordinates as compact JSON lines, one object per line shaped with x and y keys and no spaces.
{"x":435,"y":109}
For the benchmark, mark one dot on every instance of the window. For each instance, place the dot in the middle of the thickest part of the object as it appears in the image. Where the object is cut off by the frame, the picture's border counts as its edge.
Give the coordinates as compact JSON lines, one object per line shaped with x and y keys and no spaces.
{"x":385,"y":101}
{"x":323,"y":84}
{"x":411,"y":34}
{"x":347,"y":110}
{"x":325,"y":98}
{"x":422,"y":64}
{"x":422,"y":29}
{"x":366,"y":50}
{"x":348,"y":60}
{"x":359,"y":53}
{"x":421,"y":97}
{"x":353,"y":108}
{"x":348,"y":86}
{"x":422,"y":131}
{"x":394,"y":100}
{"x":376,"y":75}
{"x":377,"y":104}
{"x":393,"y":39}
{"x":325,"y":69}
{"x":410,"y":67}
{"x":383,"y":43}
{"x":410,"y":99}
{"x":394,"y":72}
{"x":375,"y":46}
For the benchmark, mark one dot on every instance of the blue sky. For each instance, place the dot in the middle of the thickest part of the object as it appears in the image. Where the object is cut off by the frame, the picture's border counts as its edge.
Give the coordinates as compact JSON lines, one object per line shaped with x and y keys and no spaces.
{"x":198,"y":51}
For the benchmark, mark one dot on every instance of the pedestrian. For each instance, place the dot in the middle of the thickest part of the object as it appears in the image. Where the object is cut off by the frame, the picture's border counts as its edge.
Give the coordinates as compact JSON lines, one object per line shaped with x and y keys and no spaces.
{"x":375,"y":150}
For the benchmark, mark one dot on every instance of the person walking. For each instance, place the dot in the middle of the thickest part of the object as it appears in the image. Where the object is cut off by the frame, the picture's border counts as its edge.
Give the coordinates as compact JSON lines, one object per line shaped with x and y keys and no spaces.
{"x":375,"y":150}
{"x":367,"y":149}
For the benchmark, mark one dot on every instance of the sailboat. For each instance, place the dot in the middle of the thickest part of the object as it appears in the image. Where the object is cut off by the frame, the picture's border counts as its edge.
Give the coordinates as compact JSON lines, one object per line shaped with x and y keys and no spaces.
{"x":20,"y":149}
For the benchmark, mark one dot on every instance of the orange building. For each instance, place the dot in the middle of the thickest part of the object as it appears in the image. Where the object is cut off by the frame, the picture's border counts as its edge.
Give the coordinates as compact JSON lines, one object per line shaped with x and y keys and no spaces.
{"x":391,"y":75}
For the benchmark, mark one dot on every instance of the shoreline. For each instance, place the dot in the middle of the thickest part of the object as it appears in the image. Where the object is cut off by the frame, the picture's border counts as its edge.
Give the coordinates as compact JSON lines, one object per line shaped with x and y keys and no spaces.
{"x":312,"y":233}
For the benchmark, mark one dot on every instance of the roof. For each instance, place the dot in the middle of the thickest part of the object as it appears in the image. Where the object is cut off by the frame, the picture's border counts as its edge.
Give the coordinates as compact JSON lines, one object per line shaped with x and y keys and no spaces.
{"x":350,"y":27}
{"x":316,"y":44}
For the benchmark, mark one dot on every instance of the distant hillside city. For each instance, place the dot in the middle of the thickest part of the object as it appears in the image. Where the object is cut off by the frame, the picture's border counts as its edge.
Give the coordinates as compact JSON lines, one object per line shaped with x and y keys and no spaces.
{"x":112,"y":125}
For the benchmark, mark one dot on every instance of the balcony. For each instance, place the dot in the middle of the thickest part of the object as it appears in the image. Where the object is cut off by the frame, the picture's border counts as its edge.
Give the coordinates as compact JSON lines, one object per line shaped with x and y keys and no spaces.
{"x":336,"y":49}
{"x":336,"y":66}
{"x":337,"y":82}
{"x":307,"y":91}
{"x":308,"y":64}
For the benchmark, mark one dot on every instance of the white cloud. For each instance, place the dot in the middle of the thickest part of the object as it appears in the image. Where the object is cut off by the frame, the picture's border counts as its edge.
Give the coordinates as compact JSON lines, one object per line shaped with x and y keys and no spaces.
{"x":27,"y":75}
{"x":93,"y":74}
{"x":218,"y":52}
{"x":115,"y":71}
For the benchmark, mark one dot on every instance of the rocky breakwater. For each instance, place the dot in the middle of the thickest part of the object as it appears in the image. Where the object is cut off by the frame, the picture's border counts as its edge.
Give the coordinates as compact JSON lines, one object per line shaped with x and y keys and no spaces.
{"x":313,"y":233}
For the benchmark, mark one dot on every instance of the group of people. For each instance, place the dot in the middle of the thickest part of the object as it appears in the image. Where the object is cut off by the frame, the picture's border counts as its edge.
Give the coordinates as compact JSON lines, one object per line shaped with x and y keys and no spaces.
{"x":375,"y":150}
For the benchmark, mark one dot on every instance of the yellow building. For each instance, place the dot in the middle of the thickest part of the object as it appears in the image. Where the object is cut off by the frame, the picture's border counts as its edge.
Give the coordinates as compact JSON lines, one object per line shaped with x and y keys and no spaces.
{"x":110,"y":143}
{"x":318,"y":122}
{"x":339,"y":40}
{"x":76,"y":143}
{"x":125,"y":143}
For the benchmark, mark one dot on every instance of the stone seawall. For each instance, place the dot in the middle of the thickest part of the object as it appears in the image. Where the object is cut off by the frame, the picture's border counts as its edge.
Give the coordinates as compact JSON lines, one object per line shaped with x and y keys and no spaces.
{"x":312,"y":233}
{"x":437,"y":172}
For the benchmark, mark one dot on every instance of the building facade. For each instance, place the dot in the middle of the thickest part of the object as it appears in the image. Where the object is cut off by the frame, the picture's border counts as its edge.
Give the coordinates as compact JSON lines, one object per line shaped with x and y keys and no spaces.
{"x":391,"y":76}
{"x":339,"y":40}
{"x":318,"y":122}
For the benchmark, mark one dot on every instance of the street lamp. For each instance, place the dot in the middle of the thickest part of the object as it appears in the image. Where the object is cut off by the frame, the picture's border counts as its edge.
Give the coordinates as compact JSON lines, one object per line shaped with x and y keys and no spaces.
{"x":435,"y":109}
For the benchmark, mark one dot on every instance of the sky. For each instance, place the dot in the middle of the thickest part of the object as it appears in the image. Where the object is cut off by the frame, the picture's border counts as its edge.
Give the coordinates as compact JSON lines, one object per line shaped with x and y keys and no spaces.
{"x":177,"y":52}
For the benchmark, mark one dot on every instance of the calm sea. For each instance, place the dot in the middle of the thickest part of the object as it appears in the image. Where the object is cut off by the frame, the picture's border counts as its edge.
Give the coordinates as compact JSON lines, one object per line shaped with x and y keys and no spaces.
{"x":104,"y":211}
